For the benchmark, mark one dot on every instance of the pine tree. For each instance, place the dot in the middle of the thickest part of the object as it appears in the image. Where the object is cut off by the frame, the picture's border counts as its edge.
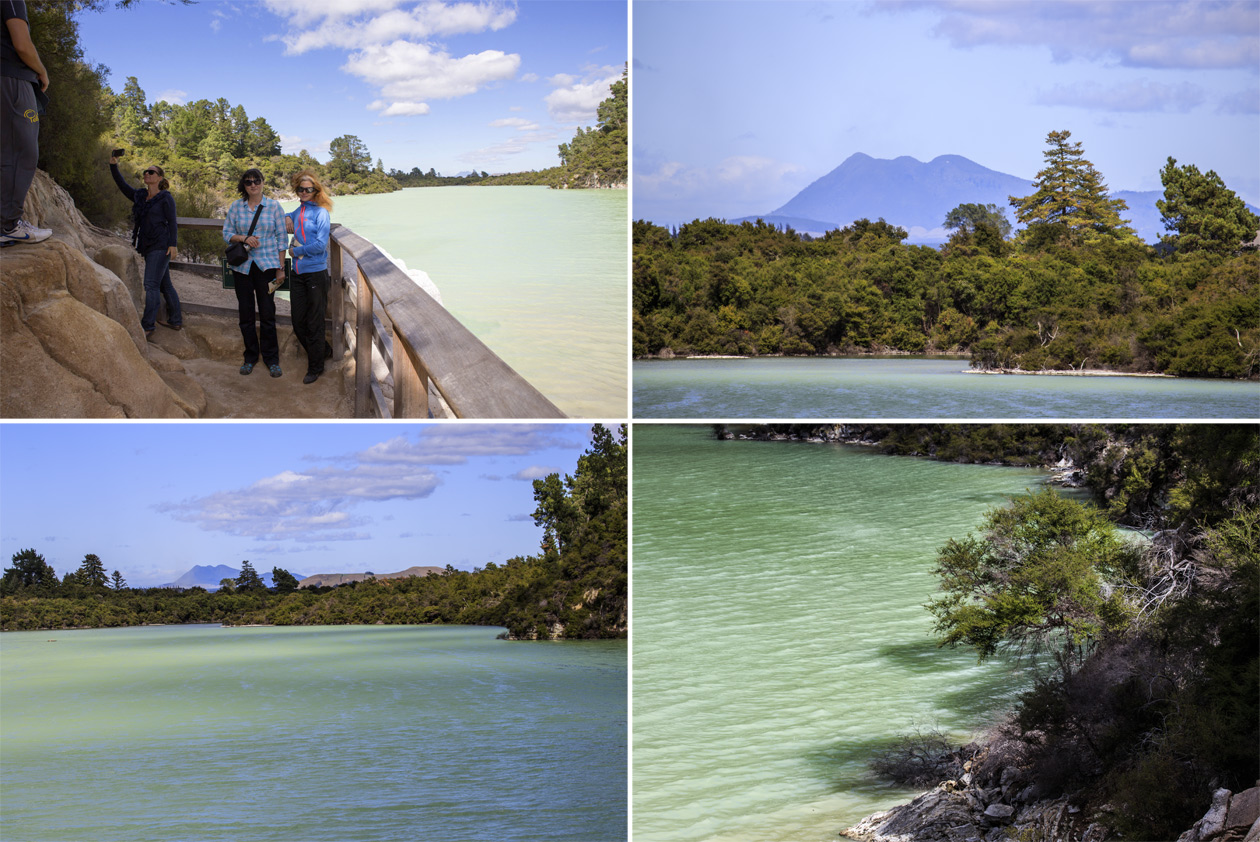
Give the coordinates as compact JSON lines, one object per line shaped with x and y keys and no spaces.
{"x":117,"y":582}
{"x":1202,"y":213}
{"x":92,"y":572}
{"x":248,"y":579}
{"x":1071,"y":197}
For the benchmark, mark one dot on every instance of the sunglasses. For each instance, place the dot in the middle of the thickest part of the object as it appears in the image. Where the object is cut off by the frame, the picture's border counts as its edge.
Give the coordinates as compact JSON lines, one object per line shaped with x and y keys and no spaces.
{"x":307,"y":190}
{"x":249,"y":182}
{"x":150,"y":172}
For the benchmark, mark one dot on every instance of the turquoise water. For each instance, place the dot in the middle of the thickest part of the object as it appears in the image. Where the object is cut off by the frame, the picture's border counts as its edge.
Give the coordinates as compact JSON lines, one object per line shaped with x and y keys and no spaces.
{"x":779,"y":634}
{"x":902,"y":387}
{"x":320,"y":733}
{"x":539,"y":275}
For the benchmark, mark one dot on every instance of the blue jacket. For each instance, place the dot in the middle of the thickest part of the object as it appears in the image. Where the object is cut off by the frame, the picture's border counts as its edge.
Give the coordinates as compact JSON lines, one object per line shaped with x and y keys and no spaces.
{"x":311,"y":224}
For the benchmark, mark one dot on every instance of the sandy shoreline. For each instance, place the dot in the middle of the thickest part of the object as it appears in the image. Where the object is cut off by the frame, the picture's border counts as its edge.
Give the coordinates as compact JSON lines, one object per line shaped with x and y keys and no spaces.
{"x":1070,"y":372}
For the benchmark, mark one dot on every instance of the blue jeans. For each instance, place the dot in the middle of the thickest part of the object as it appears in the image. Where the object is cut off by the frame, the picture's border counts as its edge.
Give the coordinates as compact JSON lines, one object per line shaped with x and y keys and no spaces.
{"x":157,"y":285}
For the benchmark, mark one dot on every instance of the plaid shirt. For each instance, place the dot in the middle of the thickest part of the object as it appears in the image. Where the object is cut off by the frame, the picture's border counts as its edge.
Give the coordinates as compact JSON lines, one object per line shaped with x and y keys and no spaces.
{"x":272,"y":237}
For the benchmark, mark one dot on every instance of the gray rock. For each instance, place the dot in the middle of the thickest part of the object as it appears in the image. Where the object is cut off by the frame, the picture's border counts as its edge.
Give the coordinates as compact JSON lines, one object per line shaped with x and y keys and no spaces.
{"x":1000,"y":812}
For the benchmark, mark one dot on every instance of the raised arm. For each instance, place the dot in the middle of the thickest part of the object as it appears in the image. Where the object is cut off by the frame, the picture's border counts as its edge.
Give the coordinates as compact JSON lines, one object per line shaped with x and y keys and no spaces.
{"x":127,"y":189}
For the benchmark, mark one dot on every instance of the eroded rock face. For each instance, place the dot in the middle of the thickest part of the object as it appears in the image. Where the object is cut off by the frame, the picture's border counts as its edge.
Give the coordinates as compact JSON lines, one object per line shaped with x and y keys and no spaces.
{"x":1233,"y":817}
{"x":71,"y":345}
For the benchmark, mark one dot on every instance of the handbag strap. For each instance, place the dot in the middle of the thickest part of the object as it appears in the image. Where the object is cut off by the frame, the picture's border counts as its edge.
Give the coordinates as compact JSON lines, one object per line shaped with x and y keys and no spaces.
{"x":255,"y":222}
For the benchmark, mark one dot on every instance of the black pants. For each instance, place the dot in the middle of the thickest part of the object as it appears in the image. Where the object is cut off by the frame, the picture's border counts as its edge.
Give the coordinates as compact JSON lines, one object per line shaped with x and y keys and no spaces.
{"x":249,"y":288}
{"x":308,"y":300}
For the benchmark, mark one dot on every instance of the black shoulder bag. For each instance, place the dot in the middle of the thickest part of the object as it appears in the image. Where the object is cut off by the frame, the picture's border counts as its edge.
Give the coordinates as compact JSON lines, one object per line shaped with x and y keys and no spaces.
{"x":238,"y":253}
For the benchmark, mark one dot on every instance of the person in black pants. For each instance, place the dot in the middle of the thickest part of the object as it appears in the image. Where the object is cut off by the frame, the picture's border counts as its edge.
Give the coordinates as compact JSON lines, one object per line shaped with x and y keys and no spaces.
{"x":155,"y":235}
{"x":267,"y":243}
{"x":308,"y":297}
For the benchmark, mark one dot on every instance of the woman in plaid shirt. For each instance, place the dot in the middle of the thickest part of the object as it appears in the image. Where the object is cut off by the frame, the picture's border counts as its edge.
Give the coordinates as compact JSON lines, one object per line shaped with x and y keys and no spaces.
{"x":264,"y":265}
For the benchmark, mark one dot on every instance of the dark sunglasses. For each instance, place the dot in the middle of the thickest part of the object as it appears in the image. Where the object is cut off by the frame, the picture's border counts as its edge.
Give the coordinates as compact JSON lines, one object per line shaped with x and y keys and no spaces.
{"x":250,"y":181}
{"x":307,"y":190}
{"x":150,"y":172}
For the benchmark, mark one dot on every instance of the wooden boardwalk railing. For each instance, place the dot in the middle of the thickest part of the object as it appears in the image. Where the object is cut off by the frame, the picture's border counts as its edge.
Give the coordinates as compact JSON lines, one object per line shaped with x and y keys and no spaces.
{"x":375,"y":305}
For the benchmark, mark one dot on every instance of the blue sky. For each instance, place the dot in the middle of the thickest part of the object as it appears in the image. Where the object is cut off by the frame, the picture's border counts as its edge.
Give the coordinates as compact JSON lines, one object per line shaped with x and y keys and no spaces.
{"x":448,"y":85}
{"x":737,"y":106}
{"x":152,"y":500}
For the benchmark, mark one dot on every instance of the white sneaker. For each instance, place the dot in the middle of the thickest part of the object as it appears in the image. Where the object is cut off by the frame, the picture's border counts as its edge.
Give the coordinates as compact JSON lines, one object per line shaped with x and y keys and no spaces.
{"x":24,"y":232}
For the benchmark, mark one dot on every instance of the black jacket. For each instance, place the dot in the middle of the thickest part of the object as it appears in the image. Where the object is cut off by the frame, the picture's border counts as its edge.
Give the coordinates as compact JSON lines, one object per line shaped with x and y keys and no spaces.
{"x":155,"y":227}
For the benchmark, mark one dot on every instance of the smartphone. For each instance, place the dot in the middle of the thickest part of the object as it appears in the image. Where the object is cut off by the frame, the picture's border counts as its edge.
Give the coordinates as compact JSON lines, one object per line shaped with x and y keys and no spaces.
{"x":118,"y":153}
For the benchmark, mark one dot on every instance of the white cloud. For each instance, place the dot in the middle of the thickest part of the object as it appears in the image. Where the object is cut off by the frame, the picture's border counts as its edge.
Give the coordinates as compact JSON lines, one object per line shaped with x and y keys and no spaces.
{"x":447,"y":445}
{"x":576,"y":100}
{"x":514,"y":123}
{"x":172,"y":96}
{"x":1243,"y":102}
{"x":735,"y":187}
{"x":534,"y":472}
{"x":425,"y":21}
{"x":1155,"y":33}
{"x":415,"y":72}
{"x":1133,"y":96}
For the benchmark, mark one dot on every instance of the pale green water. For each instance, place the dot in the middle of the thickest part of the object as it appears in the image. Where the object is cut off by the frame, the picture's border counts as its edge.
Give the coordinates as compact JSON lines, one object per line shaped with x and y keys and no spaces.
{"x":908,"y":387}
{"x":539,"y":275}
{"x":779,"y":634}
{"x":322,"y":733}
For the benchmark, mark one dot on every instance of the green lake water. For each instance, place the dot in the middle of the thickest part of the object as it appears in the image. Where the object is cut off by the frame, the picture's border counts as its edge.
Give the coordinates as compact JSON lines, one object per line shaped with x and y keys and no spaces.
{"x":917,"y":387}
{"x":539,"y":275}
{"x":779,"y":634}
{"x":310,"y":733}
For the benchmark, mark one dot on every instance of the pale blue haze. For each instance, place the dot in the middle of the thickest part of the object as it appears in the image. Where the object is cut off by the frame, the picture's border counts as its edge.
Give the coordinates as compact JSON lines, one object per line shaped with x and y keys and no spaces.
{"x":153,"y":500}
{"x":740,"y":105}
{"x":878,"y":388}
{"x":332,"y":733}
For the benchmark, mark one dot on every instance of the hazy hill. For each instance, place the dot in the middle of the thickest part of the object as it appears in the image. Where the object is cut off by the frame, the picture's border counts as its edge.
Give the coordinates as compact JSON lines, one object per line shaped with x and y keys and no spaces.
{"x":917,"y":196}
{"x":208,"y":577}
{"x":325,"y":579}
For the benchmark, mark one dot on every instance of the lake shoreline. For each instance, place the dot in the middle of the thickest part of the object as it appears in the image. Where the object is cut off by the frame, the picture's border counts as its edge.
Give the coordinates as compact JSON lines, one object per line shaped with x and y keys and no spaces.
{"x":1049,"y":372}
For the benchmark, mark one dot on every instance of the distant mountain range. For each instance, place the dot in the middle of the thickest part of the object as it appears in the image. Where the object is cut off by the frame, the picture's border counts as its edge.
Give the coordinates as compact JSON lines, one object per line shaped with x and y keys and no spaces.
{"x":209,"y":576}
{"x":917,"y":196}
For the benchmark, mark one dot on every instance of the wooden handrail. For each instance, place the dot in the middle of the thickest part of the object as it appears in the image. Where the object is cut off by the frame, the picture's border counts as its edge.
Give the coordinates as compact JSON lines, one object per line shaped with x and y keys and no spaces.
{"x":429,"y":344}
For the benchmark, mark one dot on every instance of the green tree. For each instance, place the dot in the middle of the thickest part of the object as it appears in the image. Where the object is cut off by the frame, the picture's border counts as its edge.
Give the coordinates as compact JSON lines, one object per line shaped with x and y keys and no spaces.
{"x":248,"y":579}
{"x":117,"y":582}
{"x":1041,"y":577}
{"x":29,"y":570}
{"x":227,"y":586}
{"x":348,"y":155}
{"x":1070,"y":198}
{"x":283,"y":580}
{"x":92,"y":572}
{"x":1202,"y":213}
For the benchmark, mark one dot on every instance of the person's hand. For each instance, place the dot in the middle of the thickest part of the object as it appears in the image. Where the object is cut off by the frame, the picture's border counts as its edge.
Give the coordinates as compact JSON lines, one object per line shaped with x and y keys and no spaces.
{"x":170,"y":252}
{"x":288,"y":224}
{"x":113,"y":160}
{"x":253,"y":242}
{"x":43,"y":80}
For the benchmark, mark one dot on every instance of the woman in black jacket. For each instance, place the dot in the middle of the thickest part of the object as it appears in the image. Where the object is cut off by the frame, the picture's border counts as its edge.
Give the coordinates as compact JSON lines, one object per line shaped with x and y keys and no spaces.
{"x":155,"y":236}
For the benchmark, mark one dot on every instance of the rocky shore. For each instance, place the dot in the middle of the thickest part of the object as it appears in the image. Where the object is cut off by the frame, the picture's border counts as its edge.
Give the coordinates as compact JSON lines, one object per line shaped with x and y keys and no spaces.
{"x":985,"y":800}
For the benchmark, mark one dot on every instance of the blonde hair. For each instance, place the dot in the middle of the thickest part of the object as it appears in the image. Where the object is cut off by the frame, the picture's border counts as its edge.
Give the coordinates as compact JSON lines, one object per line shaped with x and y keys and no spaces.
{"x":320,"y":198}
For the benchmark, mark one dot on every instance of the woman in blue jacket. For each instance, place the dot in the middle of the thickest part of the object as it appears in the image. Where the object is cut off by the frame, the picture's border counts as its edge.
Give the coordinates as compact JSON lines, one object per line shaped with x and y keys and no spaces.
{"x":308,"y":295}
{"x":155,"y":235}
{"x":255,"y":275}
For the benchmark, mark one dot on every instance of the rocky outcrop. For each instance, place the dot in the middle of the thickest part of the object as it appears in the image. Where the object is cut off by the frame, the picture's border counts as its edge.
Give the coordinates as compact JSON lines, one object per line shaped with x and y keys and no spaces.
{"x":71,"y":345}
{"x":1233,"y":817}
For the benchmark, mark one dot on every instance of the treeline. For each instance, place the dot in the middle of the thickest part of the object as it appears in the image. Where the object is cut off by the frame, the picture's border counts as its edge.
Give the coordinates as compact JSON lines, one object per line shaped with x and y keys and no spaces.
{"x":576,"y":588}
{"x":1061,"y":294}
{"x":1150,"y":696}
{"x":1148,"y":476}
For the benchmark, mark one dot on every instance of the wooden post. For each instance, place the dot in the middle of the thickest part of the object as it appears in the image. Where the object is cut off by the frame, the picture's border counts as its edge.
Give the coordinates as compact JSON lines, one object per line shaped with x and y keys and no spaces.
{"x":363,"y":346}
{"x":411,"y":388}
{"x":336,"y":299}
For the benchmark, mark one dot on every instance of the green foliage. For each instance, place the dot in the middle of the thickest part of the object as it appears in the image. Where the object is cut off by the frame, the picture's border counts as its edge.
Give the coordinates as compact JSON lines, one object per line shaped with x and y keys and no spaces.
{"x":1202,"y":213}
{"x":1070,"y":198}
{"x":715,"y":288}
{"x":30,"y":574}
{"x":284,"y":581}
{"x":91,"y":572}
{"x":248,"y":579}
{"x":1040,"y":577}
{"x":598,"y":157}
